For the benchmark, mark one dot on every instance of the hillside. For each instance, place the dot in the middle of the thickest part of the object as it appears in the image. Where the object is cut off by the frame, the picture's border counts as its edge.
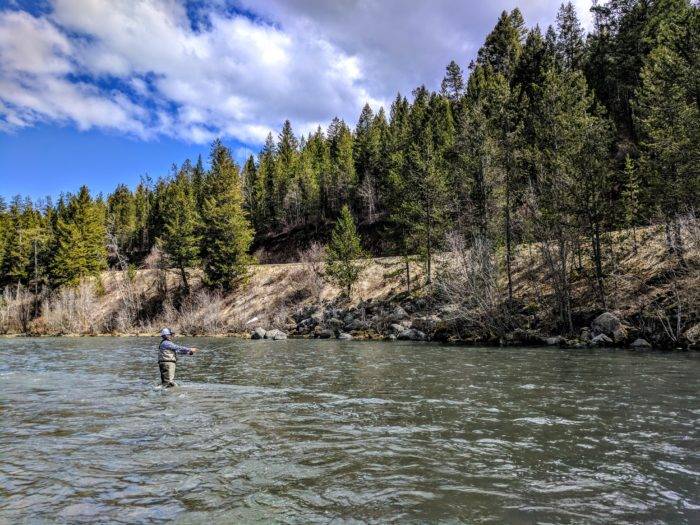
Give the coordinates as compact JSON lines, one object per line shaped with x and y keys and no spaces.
{"x":646,"y":291}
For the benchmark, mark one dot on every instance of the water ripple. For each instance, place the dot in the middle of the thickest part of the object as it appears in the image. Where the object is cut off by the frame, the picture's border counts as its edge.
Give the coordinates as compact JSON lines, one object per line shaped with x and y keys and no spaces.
{"x":318,"y":432}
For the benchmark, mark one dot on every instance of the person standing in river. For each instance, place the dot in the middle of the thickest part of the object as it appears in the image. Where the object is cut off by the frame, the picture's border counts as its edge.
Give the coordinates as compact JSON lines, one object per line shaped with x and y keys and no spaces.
{"x":167,"y":357}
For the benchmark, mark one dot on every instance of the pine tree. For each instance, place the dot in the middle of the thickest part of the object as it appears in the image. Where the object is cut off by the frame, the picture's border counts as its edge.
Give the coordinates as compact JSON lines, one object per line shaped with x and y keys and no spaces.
{"x":320,"y":161}
{"x":343,"y":176}
{"x":286,"y":164}
{"x":80,"y":249}
{"x":267,"y":173}
{"x":249,"y":176}
{"x":227,"y":233}
{"x":121,"y":218}
{"x":569,"y":43}
{"x":366,"y":156}
{"x":668,"y":119}
{"x":421,"y":211}
{"x":503,"y":45}
{"x":142,"y":211}
{"x":198,"y":175}
{"x":180,"y":239}
{"x":452,"y":85}
{"x":344,"y":254}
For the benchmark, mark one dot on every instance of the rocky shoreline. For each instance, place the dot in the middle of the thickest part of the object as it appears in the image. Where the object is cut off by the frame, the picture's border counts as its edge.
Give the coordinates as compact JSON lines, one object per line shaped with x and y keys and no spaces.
{"x":381,"y":320}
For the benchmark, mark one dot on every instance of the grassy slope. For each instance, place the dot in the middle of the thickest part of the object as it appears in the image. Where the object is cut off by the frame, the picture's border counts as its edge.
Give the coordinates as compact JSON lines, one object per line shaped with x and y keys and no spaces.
{"x":640,"y":286}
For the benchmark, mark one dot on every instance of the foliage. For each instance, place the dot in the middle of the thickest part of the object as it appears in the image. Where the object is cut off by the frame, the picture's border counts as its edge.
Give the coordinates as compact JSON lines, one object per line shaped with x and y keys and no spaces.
{"x":227,"y":233}
{"x":344,"y":254}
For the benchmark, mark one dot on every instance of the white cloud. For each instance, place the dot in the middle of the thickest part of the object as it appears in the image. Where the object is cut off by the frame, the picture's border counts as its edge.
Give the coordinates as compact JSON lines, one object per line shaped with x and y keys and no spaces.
{"x":140,"y":67}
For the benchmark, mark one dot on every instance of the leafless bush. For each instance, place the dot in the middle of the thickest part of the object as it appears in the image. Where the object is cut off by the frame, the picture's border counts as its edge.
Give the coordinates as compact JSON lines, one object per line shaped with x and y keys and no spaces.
{"x":469,"y":283}
{"x":16,"y":306}
{"x":312,"y":274}
{"x":202,"y":312}
{"x":130,"y":300}
{"x":690,"y":225}
{"x":73,"y":310}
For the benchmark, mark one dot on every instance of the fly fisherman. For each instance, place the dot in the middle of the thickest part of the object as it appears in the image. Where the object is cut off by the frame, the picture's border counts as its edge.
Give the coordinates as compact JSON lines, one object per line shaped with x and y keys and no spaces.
{"x":167,"y":357}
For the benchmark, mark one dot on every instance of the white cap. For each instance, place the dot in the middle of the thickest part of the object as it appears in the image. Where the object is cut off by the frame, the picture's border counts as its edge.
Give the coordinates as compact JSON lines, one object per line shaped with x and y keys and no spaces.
{"x":165,"y":332}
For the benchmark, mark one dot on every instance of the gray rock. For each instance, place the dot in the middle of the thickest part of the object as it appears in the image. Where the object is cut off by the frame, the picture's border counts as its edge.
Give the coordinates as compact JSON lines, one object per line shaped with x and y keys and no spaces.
{"x":317,"y":316}
{"x":398,"y":314}
{"x":258,"y":333}
{"x":392,"y":337}
{"x":586,"y":334}
{"x":306,"y":324}
{"x":609,"y":324}
{"x":553,"y":341}
{"x":321,"y":333}
{"x":692,"y":336}
{"x":335,"y":323}
{"x":641,"y":343}
{"x":275,"y":334}
{"x":357,"y":325}
{"x":601,"y":340}
{"x":411,"y":335}
{"x":349,"y":318}
{"x":397,"y":328}
{"x":345,"y":336}
{"x":426,"y":323}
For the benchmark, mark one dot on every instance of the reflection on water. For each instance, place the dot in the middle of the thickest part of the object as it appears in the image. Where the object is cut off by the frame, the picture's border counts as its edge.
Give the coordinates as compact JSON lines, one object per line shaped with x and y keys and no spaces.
{"x":305,"y":431}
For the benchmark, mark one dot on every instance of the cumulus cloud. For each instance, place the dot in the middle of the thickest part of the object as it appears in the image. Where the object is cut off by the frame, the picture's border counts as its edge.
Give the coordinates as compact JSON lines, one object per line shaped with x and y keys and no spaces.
{"x":163,"y":67}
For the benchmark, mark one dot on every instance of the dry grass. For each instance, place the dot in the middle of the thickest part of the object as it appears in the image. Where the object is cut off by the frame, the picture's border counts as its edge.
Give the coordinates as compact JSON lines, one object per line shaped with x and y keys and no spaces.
{"x":643,"y":286}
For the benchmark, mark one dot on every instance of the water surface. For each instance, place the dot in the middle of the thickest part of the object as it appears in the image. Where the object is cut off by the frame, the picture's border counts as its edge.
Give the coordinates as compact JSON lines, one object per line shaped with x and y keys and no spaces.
{"x":315,"y":431}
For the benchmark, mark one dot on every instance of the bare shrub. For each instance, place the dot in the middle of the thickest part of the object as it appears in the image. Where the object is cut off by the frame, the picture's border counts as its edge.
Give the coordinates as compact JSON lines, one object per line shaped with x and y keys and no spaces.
{"x":130,"y":302}
{"x":154,"y":259}
{"x":690,"y":225}
{"x":16,"y":307}
{"x":312,"y":275}
{"x":469,"y":283}
{"x":73,"y":310}
{"x":202,"y":312}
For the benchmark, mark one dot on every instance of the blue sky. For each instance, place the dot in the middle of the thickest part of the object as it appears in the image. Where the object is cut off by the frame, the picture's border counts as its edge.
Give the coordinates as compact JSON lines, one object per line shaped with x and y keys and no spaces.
{"x":99,"y":92}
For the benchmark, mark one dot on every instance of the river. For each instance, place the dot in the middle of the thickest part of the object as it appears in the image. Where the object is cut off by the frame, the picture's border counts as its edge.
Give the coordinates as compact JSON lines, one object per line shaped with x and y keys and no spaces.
{"x":305,"y":431}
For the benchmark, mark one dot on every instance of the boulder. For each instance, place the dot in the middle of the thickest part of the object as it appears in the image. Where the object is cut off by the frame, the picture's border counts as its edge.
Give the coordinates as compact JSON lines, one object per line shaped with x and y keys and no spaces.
{"x":349,"y":318}
{"x":519,"y":336}
{"x":397,"y":328}
{"x":692,"y":336}
{"x":323,"y":333}
{"x":426,"y":323}
{"x":610,"y":325}
{"x":553,"y":341}
{"x":392,"y":337}
{"x":335,"y":323}
{"x":306,"y":325}
{"x":357,"y":325}
{"x":275,"y":334}
{"x":344,"y":336}
{"x":258,"y":333}
{"x":411,"y":335}
{"x":586,"y":334}
{"x":640,"y":343}
{"x":601,"y":340}
{"x":398,"y":314}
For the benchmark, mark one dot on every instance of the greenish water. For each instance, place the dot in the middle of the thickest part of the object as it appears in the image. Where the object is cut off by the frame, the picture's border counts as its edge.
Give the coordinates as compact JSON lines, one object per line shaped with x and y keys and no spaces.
{"x":314,"y":431}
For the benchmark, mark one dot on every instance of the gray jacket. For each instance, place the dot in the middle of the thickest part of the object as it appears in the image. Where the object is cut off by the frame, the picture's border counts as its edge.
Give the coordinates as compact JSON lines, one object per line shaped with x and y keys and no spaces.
{"x":168,"y":351}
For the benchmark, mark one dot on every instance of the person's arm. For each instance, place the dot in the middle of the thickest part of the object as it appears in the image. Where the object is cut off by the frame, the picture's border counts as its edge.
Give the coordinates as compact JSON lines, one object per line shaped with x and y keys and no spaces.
{"x":182,"y":350}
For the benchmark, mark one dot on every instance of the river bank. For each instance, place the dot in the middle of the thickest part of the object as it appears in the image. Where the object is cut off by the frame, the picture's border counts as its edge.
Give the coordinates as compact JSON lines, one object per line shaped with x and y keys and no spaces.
{"x":651,"y":301}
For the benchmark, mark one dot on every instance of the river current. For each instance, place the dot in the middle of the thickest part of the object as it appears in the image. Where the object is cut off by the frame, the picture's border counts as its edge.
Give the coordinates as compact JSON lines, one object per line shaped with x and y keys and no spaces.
{"x":302,"y":431}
